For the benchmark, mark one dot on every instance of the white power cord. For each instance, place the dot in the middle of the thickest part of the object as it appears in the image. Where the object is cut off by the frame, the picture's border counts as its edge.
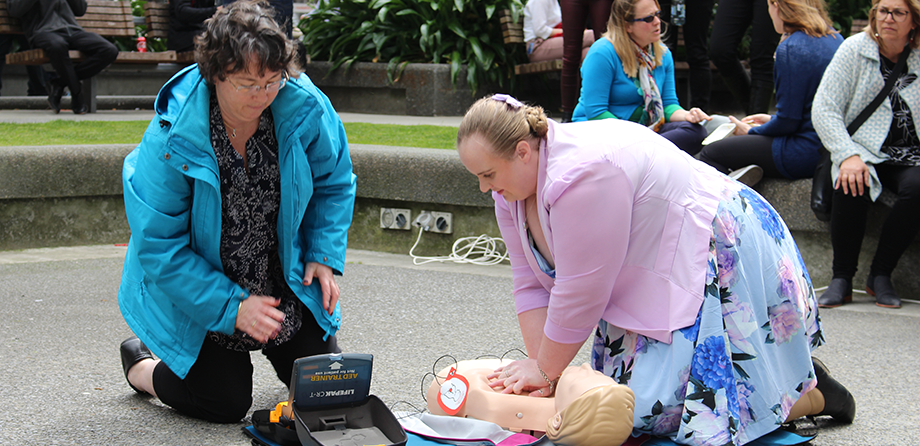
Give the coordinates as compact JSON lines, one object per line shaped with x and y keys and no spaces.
{"x":464,"y":250}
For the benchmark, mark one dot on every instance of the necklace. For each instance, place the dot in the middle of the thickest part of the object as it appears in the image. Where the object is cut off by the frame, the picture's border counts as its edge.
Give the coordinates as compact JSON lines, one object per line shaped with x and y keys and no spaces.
{"x":233,"y":133}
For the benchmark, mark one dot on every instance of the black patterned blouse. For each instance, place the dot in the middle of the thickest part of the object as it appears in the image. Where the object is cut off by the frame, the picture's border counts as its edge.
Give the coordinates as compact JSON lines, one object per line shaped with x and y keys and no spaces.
{"x":249,"y":220}
{"x":902,"y":144}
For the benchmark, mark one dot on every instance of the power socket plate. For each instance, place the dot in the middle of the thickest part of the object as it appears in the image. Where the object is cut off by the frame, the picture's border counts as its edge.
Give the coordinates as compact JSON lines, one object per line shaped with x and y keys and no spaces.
{"x":446,"y":218}
{"x":390,"y":218}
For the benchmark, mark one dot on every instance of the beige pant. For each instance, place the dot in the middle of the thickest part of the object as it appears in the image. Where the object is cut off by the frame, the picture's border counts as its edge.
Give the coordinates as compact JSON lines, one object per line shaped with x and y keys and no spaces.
{"x":551,"y":49}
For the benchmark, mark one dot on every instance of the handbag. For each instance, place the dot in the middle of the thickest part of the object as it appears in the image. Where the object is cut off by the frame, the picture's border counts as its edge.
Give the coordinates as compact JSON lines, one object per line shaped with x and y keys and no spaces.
{"x":822,"y":188}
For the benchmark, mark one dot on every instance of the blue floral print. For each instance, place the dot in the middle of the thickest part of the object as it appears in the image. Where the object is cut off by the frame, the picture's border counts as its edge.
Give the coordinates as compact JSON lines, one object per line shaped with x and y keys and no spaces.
{"x":733,"y":375}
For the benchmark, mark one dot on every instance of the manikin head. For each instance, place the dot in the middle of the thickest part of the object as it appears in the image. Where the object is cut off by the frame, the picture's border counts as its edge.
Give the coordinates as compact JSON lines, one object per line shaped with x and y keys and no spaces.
{"x":588,"y":407}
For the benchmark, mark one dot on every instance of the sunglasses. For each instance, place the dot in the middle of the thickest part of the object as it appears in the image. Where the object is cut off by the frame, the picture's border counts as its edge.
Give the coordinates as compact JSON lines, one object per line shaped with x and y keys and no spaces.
{"x":649,"y":18}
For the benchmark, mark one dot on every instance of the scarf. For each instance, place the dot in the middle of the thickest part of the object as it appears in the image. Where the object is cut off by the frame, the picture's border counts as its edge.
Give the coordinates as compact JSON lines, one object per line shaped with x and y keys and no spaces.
{"x":654,"y":110}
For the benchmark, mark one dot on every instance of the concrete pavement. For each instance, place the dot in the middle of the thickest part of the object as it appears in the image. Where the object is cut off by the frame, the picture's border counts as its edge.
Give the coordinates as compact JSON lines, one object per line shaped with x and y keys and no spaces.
{"x":63,"y":384}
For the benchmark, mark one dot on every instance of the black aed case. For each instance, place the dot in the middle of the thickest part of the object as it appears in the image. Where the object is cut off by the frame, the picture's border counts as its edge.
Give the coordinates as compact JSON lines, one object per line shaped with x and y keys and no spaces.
{"x":331,"y":405}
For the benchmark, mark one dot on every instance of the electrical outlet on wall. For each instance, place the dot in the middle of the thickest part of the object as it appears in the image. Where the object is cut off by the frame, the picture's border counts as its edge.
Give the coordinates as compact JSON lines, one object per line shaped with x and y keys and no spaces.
{"x":395,"y":218}
{"x":437,"y":222}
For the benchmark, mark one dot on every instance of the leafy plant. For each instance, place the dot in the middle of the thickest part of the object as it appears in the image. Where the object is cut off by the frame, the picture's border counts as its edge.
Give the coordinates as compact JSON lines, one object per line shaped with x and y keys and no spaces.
{"x":398,"y":32}
{"x":843,"y":12}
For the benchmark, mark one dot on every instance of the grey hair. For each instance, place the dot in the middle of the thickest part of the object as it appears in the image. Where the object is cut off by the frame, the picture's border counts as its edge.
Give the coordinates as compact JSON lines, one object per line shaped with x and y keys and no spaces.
{"x":244,"y":32}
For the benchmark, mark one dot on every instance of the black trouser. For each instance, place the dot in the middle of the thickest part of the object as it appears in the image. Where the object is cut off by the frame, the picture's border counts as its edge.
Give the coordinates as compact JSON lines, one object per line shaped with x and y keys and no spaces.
{"x":99,"y":52}
{"x":575,"y":13}
{"x":848,"y":223}
{"x":696,"y":41}
{"x":732,"y":20}
{"x":735,"y":152}
{"x":218,"y":387}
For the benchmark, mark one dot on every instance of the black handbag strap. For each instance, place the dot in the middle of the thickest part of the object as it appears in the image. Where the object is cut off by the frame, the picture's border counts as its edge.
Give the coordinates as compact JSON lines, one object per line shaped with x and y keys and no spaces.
{"x":892,"y":78}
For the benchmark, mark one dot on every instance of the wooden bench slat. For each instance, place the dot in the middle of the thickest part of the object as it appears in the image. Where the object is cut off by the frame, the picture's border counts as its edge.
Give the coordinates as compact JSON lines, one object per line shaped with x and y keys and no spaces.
{"x":158,"y":57}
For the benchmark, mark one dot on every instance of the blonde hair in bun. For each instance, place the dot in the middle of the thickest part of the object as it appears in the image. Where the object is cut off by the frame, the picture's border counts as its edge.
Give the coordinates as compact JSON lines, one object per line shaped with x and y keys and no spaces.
{"x":503,"y":121}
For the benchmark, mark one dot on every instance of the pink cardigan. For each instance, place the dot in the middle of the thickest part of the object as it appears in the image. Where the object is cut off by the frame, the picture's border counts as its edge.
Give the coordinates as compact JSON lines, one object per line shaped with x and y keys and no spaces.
{"x":628,"y":219}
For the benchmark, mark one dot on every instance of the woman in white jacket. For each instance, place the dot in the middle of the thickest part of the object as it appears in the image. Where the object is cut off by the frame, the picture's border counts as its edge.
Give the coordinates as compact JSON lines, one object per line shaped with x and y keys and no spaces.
{"x":883,"y":152}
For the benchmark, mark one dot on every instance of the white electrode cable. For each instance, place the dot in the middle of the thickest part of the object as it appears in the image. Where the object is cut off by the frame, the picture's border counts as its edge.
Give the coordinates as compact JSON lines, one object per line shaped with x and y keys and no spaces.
{"x":481,"y":250}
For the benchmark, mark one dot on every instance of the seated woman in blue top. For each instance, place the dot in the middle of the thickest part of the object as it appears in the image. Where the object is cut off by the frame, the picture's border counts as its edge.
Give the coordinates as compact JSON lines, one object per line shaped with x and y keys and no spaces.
{"x":785,"y":145}
{"x":629,"y":74}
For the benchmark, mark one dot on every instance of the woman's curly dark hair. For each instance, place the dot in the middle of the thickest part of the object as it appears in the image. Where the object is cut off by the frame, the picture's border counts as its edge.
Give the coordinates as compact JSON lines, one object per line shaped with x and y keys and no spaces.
{"x":244,"y":32}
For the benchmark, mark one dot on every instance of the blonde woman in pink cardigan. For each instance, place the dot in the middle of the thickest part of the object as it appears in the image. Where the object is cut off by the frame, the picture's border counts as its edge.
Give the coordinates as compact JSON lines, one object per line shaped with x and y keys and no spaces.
{"x":687,"y":283}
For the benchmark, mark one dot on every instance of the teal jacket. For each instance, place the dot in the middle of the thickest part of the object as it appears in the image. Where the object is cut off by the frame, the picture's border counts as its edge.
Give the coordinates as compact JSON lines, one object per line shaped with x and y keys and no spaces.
{"x":607,"y":92}
{"x":173,"y":290}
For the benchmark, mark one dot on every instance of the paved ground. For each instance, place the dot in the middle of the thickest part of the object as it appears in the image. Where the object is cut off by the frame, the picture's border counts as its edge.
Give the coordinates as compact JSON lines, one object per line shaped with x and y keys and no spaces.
{"x":62,"y":380}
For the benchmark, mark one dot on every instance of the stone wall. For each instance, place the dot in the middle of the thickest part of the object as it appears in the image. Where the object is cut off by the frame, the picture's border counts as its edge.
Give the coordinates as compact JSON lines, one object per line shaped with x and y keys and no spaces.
{"x":65,"y":196}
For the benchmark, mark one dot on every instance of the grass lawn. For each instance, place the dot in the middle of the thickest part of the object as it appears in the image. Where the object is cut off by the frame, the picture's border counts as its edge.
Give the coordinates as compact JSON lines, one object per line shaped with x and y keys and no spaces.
{"x":62,"y":132}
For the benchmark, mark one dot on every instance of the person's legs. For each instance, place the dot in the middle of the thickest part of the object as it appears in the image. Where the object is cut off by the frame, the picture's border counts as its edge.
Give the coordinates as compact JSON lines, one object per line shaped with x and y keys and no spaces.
{"x":100,"y":53}
{"x":763,"y":45}
{"x":56,"y":48}
{"x":848,"y":225}
{"x":217,"y":388}
{"x":550,"y":49}
{"x":903,"y":222}
{"x":696,"y":41}
{"x":308,"y":341}
{"x":732,"y":20}
{"x":574,"y":15}
{"x":685,"y":135}
{"x":6,"y":43}
{"x":599,"y":15}
{"x":735,"y":152}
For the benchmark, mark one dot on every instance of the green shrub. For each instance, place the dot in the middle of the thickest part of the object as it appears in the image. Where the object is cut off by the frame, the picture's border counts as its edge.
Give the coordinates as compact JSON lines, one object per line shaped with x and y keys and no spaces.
{"x":397,"y":32}
{"x":843,"y":12}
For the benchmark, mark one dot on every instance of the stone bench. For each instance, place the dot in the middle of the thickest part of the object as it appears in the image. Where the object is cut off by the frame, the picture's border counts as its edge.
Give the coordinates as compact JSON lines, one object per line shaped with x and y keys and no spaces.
{"x":72,"y":195}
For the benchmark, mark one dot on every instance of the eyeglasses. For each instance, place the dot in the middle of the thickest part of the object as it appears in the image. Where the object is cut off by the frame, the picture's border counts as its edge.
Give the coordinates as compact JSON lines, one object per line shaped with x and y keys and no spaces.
{"x":897,"y":14}
{"x":649,"y":18}
{"x":270,"y":87}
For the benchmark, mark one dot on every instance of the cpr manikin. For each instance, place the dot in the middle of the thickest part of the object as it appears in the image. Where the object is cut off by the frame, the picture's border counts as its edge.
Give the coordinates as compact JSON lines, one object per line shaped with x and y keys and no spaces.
{"x":587,"y":405}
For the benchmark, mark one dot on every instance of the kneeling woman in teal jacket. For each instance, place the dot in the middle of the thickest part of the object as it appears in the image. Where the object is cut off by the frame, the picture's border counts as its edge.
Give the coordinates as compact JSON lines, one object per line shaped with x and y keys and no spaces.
{"x":629,"y":74}
{"x":239,"y":199}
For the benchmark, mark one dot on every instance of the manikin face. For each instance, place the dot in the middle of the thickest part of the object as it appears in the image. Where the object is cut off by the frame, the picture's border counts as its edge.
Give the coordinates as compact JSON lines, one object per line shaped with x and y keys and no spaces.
{"x":778,"y":24}
{"x":892,"y":29}
{"x":514,"y":179}
{"x":243,"y":95}
{"x":641,"y":32}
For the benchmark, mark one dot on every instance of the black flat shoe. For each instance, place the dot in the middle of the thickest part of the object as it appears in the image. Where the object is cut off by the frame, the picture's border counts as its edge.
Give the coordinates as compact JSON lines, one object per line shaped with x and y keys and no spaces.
{"x":883,"y":290}
{"x":838,"y":401}
{"x":78,"y":104}
{"x":133,"y":351}
{"x":839,"y":292}
{"x":54,"y":96}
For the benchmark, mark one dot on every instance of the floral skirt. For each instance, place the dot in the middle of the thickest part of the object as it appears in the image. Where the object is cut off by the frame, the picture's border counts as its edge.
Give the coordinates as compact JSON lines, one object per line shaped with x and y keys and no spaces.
{"x":732,"y":376}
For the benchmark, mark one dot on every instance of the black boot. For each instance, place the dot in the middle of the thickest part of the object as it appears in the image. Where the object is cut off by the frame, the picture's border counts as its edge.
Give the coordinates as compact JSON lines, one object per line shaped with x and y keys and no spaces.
{"x":883,"y":290}
{"x":838,"y":401}
{"x":839,"y":292}
{"x":761,"y":96}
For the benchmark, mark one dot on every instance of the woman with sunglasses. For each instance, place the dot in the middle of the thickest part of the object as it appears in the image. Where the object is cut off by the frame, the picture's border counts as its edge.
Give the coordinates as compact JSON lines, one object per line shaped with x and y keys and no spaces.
{"x":883,"y":153}
{"x":239,"y":198}
{"x":784,"y":145}
{"x":629,"y":74}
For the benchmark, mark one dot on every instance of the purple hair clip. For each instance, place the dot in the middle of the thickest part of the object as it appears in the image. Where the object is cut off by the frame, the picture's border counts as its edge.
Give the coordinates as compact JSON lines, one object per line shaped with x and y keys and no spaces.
{"x":514,"y":103}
